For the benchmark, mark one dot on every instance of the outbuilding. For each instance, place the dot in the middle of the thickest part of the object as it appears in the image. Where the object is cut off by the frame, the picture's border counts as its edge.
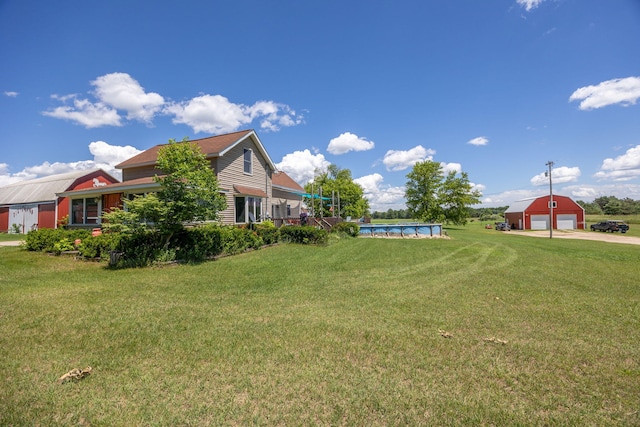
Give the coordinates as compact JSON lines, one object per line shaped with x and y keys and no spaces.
{"x":29,"y":205}
{"x":533,"y":214}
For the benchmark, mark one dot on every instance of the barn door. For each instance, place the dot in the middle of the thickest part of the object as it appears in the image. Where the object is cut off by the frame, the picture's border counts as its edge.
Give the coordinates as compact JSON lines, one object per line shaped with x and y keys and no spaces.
{"x":23,"y":218}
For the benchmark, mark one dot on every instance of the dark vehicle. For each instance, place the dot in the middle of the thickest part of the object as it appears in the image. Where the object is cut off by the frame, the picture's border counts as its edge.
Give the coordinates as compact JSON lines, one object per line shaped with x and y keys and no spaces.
{"x":502,"y":226}
{"x":610,"y":226}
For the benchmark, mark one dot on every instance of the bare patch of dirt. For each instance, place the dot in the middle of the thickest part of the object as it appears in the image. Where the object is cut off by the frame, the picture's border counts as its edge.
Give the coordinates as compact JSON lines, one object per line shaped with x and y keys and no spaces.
{"x":579,"y":234}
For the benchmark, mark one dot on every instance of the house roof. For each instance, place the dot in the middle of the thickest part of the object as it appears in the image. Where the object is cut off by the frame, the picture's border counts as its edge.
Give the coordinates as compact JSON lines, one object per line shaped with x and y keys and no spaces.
{"x":213,"y":146}
{"x":283,"y":181}
{"x":142,"y":184}
{"x":41,"y":189}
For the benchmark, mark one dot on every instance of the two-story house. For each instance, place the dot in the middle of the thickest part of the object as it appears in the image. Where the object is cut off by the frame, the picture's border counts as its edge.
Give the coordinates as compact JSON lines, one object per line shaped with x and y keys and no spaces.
{"x":247,"y":177}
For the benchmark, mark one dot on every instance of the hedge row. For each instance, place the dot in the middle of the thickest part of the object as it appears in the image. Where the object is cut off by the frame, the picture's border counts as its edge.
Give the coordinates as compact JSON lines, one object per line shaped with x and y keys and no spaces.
{"x":190,"y":244}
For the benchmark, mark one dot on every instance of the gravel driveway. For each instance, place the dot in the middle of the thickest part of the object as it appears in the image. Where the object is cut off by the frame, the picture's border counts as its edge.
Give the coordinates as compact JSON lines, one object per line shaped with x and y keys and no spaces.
{"x":584,"y":235}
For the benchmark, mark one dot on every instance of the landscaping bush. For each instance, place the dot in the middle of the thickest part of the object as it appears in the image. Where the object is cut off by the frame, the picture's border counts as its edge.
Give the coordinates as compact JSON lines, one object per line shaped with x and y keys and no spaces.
{"x":268,"y":232}
{"x":346,"y":228}
{"x":53,"y":239}
{"x":198,"y":243}
{"x":140,"y":249}
{"x":99,"y":246}
{"x":236,"y":240}
{"x":304,"y":234}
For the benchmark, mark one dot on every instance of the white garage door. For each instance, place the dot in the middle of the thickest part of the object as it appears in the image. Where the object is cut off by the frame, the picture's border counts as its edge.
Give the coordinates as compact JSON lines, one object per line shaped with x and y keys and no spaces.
{"x":539,"y":222}
{"x":567,"y":221}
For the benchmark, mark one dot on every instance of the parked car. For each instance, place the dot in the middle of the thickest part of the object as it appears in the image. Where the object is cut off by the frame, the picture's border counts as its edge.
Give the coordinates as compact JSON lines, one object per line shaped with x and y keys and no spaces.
{"x":503,"y":226}
{"x":610,"y":226}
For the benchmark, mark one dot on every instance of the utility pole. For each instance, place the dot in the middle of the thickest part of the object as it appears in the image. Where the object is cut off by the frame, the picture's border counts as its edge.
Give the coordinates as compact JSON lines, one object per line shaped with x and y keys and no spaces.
{"x":550,"y":165}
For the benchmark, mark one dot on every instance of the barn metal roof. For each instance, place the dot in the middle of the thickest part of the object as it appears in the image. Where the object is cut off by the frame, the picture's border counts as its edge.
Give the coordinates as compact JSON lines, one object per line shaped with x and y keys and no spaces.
{"x":520,"y":205}
{"x":40,"y":189}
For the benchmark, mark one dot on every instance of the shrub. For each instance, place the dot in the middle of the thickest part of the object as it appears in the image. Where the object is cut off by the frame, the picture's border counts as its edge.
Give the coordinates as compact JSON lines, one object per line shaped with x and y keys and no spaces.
{"x":304,"y":234}
{"x":45,"y":239}
{"x":63,"y":245}
{"x":99,"y":246}
{"x":346,"y":228}
{"x":141,"y":248}
{"x":198,"y":243}
{"x":268,"y":232}
{"x":236,"y":240}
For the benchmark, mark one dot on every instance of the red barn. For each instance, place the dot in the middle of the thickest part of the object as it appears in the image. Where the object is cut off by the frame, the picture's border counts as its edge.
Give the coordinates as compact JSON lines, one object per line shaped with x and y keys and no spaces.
{"x":533,"y":214}
{"x":32,"y":204}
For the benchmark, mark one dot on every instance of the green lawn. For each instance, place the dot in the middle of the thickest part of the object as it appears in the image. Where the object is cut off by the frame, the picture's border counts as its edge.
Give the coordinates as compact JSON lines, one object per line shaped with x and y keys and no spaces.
{"x":6,"y":237}
{"x":486,"y":328}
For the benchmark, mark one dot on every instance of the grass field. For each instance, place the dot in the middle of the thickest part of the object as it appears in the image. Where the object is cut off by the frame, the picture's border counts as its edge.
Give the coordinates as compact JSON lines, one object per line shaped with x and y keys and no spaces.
{"x":6,"y":237}
{"x":485,"y":328}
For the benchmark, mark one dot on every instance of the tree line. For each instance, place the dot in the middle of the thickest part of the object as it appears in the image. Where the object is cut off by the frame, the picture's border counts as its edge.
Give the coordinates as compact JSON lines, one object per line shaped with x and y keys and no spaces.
{"x":604,"y":205}
{"x":611,"y":205}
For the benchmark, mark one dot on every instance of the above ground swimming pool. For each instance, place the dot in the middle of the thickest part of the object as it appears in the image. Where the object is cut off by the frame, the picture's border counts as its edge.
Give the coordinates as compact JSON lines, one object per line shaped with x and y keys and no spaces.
{"x":401,"y":230}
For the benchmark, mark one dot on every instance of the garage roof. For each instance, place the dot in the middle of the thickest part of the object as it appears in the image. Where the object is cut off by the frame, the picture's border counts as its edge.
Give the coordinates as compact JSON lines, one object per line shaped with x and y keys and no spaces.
{"x":40,"y":189}
{"x":520,"y":205}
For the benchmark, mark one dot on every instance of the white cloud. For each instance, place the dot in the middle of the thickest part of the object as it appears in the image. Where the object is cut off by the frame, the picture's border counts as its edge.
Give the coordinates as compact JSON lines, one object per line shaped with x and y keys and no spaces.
{"x":381,"y":197}
{"x":209,"y":113}
{"x":119,"y":93}
{"x":529,"y":4}
{"x":560,"y":175}
{"x":582,"y":192}
{"x":46,"y":168}
{"x":506,"y":198}
{"x":590,"y":192}
{"x":451,"y":167}
{"x":302,"y":166}
{"x":398,"y":160}
{"x":478,"y":187}
{"x":122,"y":92}
{"x":348,"y":141}
{"x":622,"y":168}
{"x":86,"y":113}
{"x":216,"y":114}
{"x":479,"y":141}
{"x":6,"y":177}
{"x":11,"y":94}
{"x":617,"y":91}
{"x":105,"y":156}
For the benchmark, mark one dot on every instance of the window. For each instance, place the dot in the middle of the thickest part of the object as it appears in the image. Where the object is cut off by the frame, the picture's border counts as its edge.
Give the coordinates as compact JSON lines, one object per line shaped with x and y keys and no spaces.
{"x":248,"y":209}
{"x":85,"y":211}
{"x":553,"y":204}
{"x":248,"y":159}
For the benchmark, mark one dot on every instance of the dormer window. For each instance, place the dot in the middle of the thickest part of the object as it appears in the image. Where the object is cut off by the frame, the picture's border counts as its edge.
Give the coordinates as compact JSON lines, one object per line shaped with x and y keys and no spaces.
{"x":248,"y":161}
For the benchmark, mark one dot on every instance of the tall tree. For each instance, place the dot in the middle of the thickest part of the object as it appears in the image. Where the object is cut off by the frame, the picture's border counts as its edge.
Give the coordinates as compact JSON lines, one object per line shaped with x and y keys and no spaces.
{"x":433,"y":197}
{"x":422,"y":190}
{"x":189,"y":185}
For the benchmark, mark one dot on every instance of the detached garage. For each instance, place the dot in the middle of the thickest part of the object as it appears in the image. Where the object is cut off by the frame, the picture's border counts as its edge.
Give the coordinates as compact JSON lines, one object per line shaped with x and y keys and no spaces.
{"x":533,"y":214}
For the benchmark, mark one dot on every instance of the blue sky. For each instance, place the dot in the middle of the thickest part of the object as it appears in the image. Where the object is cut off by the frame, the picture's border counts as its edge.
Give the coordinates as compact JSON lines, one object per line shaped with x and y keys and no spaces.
{"x":492,"y":88}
